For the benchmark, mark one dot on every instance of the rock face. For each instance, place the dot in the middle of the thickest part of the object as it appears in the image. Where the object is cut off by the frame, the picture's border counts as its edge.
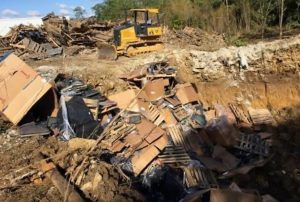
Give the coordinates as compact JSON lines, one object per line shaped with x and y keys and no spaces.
{"x":264,"y":55}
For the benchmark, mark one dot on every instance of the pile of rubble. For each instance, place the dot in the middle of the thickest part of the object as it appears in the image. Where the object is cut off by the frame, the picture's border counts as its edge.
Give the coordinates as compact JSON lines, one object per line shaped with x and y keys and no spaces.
{"x":158,"y":135}
{"x":55,"y":33}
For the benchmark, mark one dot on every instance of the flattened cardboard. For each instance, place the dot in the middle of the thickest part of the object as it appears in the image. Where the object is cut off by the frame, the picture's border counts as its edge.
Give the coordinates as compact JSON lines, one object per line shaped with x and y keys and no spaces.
{"x":118,"y":146}
{"x":172,"y":101}
{"x":123,"y":100}
{"x":135,"y":74}
{"x":140,"y":106}
{"x":155,"y":89}
{"x":141,"y":159}
{"x":169,"y":117}
{"x":155,"y":134}
{"x":186,"y":93}
{"x":143,"y":145}
{"x":145,"y":127}
{"x":20,"y":88}
{"x":161,"y":143}
{"x":133,"y":139}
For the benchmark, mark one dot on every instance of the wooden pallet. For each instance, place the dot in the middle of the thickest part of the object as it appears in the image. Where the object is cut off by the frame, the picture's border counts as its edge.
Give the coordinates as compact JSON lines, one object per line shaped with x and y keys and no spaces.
{"x":239,"y":115}
{"x":174,"y":156}
{"x":199,"y":177}
{"x":155,"y":115}
{"x":261,"y":116}
{"x":178,"y":137}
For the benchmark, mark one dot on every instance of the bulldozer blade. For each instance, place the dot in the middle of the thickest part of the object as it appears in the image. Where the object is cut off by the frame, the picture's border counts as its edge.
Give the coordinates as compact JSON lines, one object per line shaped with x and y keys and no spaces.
{"x":106,"y":51}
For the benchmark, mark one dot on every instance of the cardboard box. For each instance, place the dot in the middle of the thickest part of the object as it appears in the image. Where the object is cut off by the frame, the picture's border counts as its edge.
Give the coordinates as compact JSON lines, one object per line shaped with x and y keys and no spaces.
{"x":20,"y":88}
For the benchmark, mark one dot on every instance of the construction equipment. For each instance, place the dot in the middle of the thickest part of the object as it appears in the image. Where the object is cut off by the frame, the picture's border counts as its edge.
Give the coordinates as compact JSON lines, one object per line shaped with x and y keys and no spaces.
{"x":133,"y":38}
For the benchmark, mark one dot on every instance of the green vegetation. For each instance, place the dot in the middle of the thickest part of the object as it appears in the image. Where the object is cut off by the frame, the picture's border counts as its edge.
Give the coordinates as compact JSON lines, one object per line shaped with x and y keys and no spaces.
{"x":235,"y":41}
{"x":222,"y":16}
{"x":79,"y":12}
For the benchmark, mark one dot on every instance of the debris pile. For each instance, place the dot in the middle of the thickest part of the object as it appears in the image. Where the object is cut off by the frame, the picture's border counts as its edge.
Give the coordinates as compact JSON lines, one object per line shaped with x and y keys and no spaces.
{"x":157,"y":135}
{"x":55,"y":33}
{"x":197,"y":38}
{"x":77,"y":32}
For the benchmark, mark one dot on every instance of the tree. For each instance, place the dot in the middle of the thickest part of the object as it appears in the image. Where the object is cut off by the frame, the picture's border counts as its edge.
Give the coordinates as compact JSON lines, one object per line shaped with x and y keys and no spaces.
{"x":298,"y":11}
{"x":282,"y":9}
{"x":222,"y":16}
{"x":227,"y":14}
{"x":79,"y":12}
{"x":114,"y":9}
{"x":263,"y":14}
{"x":243,"y":11}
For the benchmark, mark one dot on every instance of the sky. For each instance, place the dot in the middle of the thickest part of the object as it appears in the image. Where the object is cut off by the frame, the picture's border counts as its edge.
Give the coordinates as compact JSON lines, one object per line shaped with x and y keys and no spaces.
{"x":39,"y":8}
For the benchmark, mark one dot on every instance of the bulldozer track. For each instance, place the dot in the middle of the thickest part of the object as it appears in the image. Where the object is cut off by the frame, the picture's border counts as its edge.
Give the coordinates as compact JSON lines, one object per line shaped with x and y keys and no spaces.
{"x":142,"y":48}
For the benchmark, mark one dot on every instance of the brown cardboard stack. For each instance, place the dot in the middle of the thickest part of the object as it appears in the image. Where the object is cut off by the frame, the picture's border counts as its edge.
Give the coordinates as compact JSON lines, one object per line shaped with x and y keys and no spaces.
{"x":172,"y":126}
{"x":158,"y":104}
{"x":21,"y":87}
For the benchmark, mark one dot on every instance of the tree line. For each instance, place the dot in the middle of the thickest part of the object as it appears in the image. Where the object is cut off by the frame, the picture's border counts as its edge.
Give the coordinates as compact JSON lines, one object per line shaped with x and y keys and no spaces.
{"x":222,"y":16}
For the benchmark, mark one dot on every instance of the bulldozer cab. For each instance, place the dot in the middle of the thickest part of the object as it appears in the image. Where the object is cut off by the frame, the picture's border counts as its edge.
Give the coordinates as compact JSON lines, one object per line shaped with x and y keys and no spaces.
{"x":145,"y":21}
{"x":138,"y":35}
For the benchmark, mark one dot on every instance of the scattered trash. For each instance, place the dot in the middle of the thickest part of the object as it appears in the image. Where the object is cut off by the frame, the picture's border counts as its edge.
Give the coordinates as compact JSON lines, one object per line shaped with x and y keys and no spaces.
{"x":156,"y":128}
{"x":55,"y":33}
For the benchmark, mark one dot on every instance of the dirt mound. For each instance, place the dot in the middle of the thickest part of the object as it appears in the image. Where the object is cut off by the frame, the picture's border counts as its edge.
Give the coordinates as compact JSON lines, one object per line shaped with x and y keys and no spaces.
{"x":195,"y":38}
{"x":104,"y":183}
{"x":4,"y":125}
{"x":99,"y":181}
{"x":17,"y":157}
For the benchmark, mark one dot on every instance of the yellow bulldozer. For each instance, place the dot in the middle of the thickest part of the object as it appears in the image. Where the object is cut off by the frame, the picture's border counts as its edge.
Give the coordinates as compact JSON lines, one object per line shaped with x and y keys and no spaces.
{"x":141,"y":34}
